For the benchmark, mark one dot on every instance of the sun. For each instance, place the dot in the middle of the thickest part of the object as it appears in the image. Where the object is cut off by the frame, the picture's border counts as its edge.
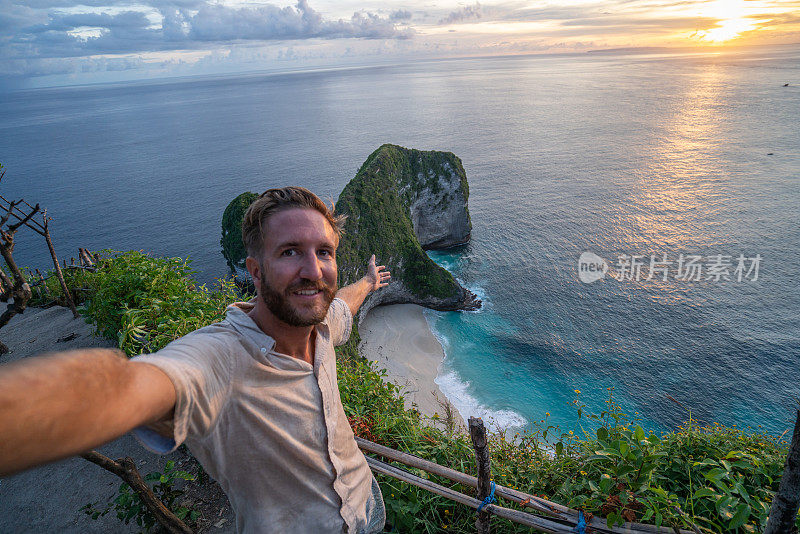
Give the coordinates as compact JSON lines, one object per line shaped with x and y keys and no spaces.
{"x":726,"y":30}
{"x":733,"y":21}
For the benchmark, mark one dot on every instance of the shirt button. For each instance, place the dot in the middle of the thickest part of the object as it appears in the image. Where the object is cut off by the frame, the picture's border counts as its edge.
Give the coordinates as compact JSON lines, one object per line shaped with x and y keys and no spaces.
{"x":263,"y":350}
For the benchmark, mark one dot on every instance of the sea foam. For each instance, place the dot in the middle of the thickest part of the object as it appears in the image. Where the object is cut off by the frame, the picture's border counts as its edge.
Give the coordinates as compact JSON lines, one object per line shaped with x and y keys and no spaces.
{"x":457,"y":392}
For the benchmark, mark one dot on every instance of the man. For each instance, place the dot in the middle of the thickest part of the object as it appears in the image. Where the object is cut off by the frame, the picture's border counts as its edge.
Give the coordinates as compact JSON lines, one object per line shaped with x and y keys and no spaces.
{"x":255,"y":397}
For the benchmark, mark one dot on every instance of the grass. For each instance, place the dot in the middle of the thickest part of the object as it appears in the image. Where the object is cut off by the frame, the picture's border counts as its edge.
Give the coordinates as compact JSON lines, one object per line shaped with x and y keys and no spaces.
{"x":720,"y":479}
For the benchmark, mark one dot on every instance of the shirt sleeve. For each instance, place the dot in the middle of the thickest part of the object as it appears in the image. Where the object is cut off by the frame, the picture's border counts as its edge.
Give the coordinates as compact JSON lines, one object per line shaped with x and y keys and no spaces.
{"x":200,"y":368}
{"x":340,"y":321}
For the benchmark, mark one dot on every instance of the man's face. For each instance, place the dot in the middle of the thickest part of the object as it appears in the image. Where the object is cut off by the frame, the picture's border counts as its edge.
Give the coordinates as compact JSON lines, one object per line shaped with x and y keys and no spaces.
{"x":298,"y":267}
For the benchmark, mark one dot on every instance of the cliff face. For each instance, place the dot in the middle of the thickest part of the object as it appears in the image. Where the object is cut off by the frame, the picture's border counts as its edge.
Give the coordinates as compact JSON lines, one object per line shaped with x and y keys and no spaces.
{"x":436,"y":192}
{"x":401,"y":201}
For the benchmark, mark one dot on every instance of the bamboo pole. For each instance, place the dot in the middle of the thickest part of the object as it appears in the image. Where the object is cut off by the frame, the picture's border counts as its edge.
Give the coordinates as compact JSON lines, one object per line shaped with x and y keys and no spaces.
{"x":477,"y":433}
{"x":543,"y":524}
{"x":457,"y":476}
{"x":539,"y":504}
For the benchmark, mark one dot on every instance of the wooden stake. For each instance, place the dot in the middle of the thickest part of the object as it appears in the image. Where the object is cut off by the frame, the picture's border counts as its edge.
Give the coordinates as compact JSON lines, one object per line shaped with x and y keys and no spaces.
{"x":783,"y":514}
{"x":86,"y":258}
{"x":60,"y":276}
{"x":478,"y":434}
{"x":43,"y":283}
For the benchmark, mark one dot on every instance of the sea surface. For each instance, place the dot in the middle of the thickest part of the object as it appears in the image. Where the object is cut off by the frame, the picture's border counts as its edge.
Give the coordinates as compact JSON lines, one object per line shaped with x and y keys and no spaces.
{"x":613,"y":154}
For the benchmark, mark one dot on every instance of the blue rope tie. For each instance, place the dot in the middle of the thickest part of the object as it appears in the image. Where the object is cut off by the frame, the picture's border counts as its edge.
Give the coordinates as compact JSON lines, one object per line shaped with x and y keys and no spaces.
{"x":488,"y":500}
{"x":580,"y":528}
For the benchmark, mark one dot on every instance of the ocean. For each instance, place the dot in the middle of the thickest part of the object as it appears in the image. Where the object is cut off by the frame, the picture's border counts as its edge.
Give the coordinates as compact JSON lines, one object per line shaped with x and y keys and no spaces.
{"x":657,"y":157}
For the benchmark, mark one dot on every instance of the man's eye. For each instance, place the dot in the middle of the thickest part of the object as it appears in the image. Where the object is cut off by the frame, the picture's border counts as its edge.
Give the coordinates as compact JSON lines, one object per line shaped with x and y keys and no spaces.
{"x":289,"y":252}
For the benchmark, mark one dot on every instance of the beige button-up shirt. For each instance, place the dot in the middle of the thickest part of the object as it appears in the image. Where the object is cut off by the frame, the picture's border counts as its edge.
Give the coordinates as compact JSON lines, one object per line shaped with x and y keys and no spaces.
{"x":268,"y":427}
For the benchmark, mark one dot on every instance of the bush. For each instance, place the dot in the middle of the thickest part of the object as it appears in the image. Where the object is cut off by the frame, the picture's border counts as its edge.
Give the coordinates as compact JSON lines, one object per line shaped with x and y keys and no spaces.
{"x":145,"y":302}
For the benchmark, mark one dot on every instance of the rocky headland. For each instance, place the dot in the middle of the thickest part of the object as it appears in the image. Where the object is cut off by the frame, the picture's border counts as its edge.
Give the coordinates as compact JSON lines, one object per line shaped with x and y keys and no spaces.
{"x":400,"y":203}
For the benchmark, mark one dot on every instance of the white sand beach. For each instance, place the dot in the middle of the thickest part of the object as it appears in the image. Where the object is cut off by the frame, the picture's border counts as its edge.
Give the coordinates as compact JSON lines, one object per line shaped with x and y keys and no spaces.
{"x":398,"y":339}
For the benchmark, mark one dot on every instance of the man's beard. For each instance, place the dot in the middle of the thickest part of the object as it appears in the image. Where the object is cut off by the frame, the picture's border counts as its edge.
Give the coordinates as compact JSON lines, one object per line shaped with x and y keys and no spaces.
{"x":280,"y":307}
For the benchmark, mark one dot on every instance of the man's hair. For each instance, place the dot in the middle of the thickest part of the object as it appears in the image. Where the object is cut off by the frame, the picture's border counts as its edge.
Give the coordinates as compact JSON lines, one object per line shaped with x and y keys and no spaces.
{"x":271,"y":202}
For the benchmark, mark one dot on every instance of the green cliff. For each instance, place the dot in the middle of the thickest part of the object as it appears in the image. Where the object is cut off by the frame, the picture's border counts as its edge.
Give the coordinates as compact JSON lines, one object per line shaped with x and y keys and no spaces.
{"x":400,"y":202}
{"x":232,"y":246}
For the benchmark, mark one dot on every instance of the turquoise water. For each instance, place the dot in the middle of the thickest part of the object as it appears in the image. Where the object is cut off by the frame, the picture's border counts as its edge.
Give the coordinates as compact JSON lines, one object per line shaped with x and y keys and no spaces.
{"x":611,"y":154}
{"x":489,"y":372}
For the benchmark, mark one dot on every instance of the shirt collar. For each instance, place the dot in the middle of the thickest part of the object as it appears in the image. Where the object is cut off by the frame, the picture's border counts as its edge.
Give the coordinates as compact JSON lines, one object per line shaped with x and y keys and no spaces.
{"x":237,"y":316}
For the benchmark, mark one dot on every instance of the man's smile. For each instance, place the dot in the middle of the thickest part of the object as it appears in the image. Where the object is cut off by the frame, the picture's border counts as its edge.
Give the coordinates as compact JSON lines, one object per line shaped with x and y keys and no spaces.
{"x":308,"y":292}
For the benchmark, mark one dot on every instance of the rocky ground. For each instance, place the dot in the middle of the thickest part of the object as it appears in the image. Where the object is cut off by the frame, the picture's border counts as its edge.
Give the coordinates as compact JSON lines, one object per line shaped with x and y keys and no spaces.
{"x":49,"y":498}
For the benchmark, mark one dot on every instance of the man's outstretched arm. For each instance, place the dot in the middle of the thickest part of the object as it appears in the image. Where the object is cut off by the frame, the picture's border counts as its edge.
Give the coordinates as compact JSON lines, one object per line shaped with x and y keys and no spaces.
{"x":59,"y":405}
{"x":377,"y":277}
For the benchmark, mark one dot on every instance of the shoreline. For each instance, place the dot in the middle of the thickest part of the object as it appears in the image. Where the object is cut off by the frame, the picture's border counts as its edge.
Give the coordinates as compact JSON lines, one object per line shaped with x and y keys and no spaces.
{"x":398,"y":338}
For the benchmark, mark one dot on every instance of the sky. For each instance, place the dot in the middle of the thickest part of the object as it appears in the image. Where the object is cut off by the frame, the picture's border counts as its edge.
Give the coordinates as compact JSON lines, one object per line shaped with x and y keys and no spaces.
{"x":62,"y":42}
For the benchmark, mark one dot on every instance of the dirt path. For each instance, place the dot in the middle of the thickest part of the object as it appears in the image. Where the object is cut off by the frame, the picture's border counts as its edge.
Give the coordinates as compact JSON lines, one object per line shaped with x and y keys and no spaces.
{"x":48,"y":498}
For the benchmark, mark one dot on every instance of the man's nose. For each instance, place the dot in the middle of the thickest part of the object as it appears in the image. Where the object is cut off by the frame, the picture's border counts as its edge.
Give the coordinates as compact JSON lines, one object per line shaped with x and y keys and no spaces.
{"x":312,"y":269}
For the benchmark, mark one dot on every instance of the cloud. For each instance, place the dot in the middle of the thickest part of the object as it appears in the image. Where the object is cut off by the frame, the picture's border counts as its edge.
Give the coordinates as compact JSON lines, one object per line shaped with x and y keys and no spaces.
{"x":63,"y":22}
{"x":400,"y":14}
{"x":52,"y":31}
{"x":771,"y":18}
{"x":66,"y":4}
{"x":49,"y":66}
{"x":640,"y":23}
{"x":69,"y":37}
{"x":464,"y":13}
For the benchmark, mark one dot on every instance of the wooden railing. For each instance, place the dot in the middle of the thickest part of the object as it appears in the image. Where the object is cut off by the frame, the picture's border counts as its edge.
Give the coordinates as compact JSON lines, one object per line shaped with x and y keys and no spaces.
{"x":556,"y":518}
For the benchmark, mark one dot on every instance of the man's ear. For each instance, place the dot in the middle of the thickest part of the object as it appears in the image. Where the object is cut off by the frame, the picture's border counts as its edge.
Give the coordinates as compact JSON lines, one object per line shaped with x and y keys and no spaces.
{"x":254,"y":268}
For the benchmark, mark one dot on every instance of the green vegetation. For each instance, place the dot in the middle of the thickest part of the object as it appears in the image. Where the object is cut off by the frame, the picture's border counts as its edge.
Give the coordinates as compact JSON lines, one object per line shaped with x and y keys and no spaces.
{"x":232,"y":246}
{"x":376,"y":203}
{"x":130,"y":507}
{"x":718,"y":478}
{"x":144,"y":302}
